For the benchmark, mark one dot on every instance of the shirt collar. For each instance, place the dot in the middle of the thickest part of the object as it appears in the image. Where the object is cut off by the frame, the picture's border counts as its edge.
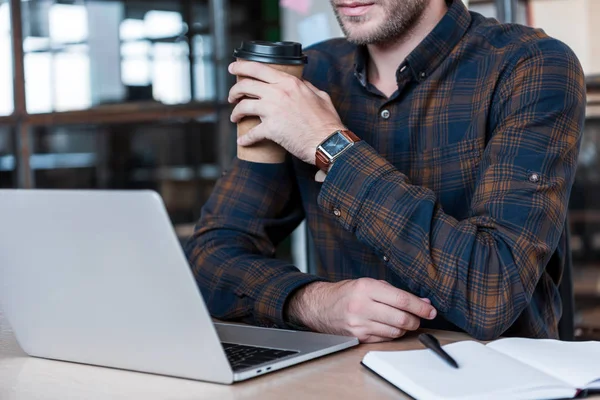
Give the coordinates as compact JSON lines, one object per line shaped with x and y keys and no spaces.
{"x":360,"y":65}
{"x":434,"y":49}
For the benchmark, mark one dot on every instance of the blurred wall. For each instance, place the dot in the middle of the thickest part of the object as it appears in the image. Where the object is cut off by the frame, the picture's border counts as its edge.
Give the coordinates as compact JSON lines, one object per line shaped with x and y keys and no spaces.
{"x":295,"y":25}
{"x":574,"y":22}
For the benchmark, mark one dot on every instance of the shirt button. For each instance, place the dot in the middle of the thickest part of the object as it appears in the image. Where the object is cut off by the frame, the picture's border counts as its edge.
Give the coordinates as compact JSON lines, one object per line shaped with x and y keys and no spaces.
{"x":534,"y":178}
{"x":337,"y":212}
{"x":423,"y":75}
{"x":386,"y":258}
{"x":385,"y":114}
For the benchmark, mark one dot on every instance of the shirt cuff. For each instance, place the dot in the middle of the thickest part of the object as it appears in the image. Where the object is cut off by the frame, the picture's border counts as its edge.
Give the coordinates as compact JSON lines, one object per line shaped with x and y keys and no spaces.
{"x":258,"y":170}
{"x":270,"y":307}
{"x":349,"y":182}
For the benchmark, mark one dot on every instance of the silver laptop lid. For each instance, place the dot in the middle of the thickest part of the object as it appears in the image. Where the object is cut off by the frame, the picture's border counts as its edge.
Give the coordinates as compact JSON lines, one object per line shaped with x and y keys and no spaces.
{"x":100,"y":278}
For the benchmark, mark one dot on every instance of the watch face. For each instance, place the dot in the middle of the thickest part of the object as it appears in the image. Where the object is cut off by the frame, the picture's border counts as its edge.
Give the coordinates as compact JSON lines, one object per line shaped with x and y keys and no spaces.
{"x":336,"y":144}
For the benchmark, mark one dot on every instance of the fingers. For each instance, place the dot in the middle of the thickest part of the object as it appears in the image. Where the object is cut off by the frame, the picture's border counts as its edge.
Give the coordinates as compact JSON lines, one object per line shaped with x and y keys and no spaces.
{"x":402,"y":300}
{"x":249,"y":88}
{"x":320,"y":176}
{"x":256,"y":70}
{"x":393,"y":317}
{"x":385,"y":331}
{"x":375,"y":332}
{"x":255,"y":135}
{"x":374,"y":339}
{"x":245,"y":108}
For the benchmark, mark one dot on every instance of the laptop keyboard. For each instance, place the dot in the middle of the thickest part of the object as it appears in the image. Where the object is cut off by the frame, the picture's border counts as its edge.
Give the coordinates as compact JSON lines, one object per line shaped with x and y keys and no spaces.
{"x":242,"y":356}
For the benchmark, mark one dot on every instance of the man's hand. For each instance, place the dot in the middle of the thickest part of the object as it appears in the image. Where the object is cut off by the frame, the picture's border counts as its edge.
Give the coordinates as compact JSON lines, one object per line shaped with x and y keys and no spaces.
{"x":371,"y":310}
{"x":294,"y":113}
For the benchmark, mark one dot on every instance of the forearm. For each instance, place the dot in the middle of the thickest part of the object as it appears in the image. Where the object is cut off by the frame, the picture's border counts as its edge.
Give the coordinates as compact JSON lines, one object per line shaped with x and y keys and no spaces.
{"x":239,"y":284}
{"x":252,"y":208}
{"x":479,"y":272}
{"x":302,"y":306}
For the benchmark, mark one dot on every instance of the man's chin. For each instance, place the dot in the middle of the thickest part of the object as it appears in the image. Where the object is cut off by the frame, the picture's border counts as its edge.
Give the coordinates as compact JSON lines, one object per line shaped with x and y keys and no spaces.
{"x":358,"y":38}
{"x":359,"y":32}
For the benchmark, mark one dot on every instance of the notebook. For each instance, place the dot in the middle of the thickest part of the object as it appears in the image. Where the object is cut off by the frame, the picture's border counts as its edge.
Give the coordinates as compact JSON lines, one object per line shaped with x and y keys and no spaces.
{"x":513,"y":368}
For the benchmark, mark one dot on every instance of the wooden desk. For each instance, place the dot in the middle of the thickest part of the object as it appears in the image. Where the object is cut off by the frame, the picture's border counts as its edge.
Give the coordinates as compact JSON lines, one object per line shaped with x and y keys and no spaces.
{"x":338,"y":375}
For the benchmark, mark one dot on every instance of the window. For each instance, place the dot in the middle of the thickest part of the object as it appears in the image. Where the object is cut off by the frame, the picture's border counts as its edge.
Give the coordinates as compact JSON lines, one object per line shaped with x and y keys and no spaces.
{"x":6,"y":77}
{"x":155,"y":54}
{"x":88,"y":54}
{"x":57,"y":57}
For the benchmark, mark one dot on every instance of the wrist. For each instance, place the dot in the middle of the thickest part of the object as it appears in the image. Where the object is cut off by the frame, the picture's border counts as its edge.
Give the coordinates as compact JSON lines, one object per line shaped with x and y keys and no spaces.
{"x":333,"y":147}
{"x":320,"y":136}
{"x":300,"y":310}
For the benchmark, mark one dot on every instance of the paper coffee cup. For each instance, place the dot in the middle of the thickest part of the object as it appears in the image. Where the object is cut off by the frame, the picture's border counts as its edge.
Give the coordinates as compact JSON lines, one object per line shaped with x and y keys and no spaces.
{"x":284,"y":56}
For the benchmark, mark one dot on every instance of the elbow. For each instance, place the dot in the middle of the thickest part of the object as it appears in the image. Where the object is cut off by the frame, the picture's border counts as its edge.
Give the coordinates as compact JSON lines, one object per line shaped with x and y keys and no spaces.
{"x":486,"y":333}
{"x":207,"y":240}
{"x":489,"y":323}
{"x":192,"y":249}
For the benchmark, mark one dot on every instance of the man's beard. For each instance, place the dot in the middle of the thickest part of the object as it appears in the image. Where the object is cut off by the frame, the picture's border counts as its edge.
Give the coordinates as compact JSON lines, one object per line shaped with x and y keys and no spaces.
{"x":401,"y":16}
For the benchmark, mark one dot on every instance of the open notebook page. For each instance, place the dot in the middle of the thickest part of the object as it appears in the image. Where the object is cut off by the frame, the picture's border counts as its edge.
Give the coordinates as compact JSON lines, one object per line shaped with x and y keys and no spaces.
{"x":483,"y":374}
{"x":577,"y":363}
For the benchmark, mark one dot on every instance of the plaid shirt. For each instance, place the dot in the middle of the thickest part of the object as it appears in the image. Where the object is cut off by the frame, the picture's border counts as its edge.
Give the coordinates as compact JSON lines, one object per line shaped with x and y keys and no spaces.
{"x":458,"y":191}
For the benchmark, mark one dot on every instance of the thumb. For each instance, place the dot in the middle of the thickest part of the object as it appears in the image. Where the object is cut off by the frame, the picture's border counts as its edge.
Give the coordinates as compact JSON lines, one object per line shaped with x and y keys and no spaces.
{"x":320,"y":176}
{"x":253,"y":136}
{"x":426,"y":300}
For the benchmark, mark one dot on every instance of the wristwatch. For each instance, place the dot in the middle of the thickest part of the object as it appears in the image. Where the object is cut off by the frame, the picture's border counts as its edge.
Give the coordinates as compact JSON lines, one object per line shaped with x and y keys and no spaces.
{"x":333,"y":147}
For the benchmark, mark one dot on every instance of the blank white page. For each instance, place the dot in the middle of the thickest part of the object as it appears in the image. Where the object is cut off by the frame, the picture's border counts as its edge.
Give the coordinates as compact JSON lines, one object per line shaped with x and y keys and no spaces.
{"x":482,"y":374}
{"x":577,"y":363}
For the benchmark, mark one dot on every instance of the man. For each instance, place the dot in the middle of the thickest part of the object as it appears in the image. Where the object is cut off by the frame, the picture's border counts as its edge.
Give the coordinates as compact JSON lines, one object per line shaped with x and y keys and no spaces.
{"x":449,"y":212}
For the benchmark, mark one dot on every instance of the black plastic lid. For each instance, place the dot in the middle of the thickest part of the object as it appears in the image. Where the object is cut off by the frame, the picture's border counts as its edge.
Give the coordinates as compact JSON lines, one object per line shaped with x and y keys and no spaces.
{"x":282,"y":53}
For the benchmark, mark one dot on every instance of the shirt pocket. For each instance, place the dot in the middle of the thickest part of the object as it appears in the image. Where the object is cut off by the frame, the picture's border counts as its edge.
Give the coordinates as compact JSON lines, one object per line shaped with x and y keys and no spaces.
{"x":449,"y":171}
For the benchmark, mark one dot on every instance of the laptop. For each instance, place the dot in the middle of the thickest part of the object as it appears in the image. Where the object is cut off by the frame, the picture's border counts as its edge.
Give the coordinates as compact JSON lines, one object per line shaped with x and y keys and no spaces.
{"x":100,"y":278}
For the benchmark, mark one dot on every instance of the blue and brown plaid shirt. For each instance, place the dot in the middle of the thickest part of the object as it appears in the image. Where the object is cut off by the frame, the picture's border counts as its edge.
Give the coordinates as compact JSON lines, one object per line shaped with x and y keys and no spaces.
{"x":458,"y":191}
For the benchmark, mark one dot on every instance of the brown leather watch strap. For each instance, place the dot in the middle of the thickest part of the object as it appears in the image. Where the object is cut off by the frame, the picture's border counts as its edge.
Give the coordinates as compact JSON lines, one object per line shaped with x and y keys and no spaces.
{"x":322,"y":161}
{"x":350,"y":135}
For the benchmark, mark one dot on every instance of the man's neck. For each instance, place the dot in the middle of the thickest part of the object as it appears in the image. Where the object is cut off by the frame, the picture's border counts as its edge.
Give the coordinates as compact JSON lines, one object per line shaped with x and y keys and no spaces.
{"x":385,"y":59}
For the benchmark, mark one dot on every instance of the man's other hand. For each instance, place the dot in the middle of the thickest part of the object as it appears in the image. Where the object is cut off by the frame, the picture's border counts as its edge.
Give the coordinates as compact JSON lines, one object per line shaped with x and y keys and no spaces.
{"x":371,"y":310}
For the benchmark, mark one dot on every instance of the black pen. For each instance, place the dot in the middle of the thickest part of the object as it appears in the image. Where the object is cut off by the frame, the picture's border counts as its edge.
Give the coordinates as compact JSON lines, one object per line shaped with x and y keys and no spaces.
{"x":432,"y":343}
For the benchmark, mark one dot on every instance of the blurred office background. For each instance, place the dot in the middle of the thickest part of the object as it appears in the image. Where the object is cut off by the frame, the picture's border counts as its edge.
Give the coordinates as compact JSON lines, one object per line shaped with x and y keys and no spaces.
{"x":131,"y":94}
